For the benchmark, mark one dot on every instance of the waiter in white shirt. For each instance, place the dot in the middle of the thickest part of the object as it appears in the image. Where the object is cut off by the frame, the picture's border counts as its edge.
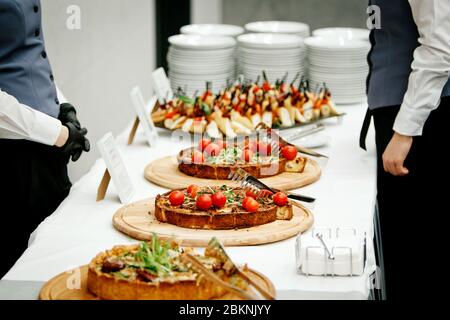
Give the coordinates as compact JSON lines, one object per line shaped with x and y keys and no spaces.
{"x":38,"y":135}
{"x":409,"y":99}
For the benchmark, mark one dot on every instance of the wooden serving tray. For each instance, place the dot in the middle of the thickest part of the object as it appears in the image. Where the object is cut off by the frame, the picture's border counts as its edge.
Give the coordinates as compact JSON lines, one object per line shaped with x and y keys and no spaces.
{"x":137,"y":221}
{"x":58,"y":287}
{"x":164,"y":172}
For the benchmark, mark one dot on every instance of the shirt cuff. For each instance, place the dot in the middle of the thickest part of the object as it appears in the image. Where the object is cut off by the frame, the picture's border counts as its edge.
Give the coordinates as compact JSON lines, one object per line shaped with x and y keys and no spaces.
{"x":46,"y":129}
{"x":407,"y":123}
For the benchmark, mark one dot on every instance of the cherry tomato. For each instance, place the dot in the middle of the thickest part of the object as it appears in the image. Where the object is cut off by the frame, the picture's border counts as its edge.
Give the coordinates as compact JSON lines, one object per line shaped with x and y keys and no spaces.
{"x":203,"y":144}
{"x":289,"y":152}
{"x":280,"y":199}
{"x":197,"y":157}
{"x":170,"y":115}
{"x":264,"y":149}
{"x":176,"y":198}
{"x":213,"y":150}
{"x":251,"y":205}
{"x":251,"y":145}
{"x":204,"y":202}
{"x":219,"y":200}
{"x":247,"y":155}
{"x":250,"y":194}
{"x":244,"y":202}
{"x":222,"y":144}
{"x":266,"y":86}
{"x":192,"y":190}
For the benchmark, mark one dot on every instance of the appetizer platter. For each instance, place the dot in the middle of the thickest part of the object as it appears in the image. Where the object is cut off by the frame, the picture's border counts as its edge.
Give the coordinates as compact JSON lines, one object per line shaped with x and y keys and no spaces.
{"x":238,"y":109}
{"x":211,"y":162}
{"x":161,"y":270}
{"x":235,"y":216}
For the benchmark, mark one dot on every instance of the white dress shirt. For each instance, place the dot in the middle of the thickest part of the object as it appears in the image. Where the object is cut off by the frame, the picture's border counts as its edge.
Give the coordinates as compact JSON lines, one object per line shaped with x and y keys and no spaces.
{"x":18,"y":121}
{"x":430,"y":67}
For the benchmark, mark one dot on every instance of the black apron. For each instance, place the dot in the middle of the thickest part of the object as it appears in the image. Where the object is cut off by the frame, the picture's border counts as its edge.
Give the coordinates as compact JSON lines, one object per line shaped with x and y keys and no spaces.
{"x":33,"y":184}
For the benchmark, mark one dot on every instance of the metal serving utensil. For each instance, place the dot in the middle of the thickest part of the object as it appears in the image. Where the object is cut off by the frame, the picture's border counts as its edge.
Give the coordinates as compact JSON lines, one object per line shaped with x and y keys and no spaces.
{"x":276,"y":136}
{"x":219,"y":247}
{"x":196,"y":264}
{"x":301,"y":134}
{"x":255,"y":185}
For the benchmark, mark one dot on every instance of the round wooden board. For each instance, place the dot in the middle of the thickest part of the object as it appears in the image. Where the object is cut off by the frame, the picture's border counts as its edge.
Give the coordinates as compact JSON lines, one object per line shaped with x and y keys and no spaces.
{"x":137,"y":221}
{"x":164,"y":172}
{"x":58,"y":287}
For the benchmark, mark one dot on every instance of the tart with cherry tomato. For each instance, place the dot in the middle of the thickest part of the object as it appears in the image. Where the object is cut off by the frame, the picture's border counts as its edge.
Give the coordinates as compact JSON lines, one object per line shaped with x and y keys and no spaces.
{"x":220,"y":208}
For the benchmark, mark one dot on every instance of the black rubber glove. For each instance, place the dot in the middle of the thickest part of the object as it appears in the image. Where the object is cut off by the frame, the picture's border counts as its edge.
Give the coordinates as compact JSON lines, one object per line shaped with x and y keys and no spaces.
{"x":68,"y":114}
{"x":77,"y":142}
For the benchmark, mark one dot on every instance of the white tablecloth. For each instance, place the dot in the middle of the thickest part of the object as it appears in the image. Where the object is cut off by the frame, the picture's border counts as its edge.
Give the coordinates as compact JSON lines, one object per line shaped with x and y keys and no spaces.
{"x":81,"y":227}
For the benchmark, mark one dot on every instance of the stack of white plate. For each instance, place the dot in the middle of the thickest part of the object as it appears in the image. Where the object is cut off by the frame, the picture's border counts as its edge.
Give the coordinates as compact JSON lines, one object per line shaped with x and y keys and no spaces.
{"x":194,"y":60}
{"x":287,"y":27}
{"x":341,"y":64}
{"x":276,"y":54}
{"x":213,"y":30}
{"x":345,"y":33}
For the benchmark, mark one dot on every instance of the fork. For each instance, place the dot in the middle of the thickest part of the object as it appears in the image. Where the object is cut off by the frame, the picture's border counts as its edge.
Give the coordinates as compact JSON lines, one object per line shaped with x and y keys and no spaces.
{"x":255,"y":185}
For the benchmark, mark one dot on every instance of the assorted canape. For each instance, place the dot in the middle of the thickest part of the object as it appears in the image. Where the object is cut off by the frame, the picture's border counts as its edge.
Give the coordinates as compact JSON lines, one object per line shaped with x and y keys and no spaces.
{"x":238,"y":109}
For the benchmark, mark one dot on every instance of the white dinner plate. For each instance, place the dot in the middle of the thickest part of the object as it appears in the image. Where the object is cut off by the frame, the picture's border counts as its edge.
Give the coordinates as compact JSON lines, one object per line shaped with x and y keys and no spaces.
{"x":324,"y":44}
{"x":270,"y":52}
{"x":346,"y":33}
{"x":196,"y":42}
{"x":278,"y":27}
{"x":269,"y":40}
{"x":213,"y":30}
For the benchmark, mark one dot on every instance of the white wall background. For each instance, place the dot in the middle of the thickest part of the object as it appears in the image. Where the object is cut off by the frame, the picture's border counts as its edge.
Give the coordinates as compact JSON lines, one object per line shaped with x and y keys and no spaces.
{"x":317,"y":13}
{"x":96,"y":67}
{"x":206,"y":11}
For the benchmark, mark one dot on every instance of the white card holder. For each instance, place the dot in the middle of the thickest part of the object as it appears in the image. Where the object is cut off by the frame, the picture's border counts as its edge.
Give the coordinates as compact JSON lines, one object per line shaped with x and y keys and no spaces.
{"x":143,"y":117}
{"x":161,"y":85}
{"x":115,"y":170}
{"x":341,"y":252}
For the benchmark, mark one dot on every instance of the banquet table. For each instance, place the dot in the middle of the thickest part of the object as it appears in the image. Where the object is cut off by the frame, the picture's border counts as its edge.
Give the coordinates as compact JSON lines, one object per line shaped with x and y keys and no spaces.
{"x":81,"y":227}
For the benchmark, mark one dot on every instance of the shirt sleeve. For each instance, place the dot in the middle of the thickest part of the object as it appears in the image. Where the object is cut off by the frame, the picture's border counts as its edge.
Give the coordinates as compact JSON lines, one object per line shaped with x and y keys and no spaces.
{"x":430,"y":67}
{"x":18,"y":121}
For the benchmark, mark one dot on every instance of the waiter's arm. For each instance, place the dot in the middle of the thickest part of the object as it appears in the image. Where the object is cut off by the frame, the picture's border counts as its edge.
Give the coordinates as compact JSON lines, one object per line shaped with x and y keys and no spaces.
{"x":430,"y":68}
{"x":430,"y":73}
{"x":18,"y":121}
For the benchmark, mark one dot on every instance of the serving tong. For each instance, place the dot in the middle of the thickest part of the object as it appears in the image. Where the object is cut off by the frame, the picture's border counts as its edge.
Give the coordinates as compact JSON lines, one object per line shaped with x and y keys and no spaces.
{"x":275,"y":146}
{"x":198,"y":265}
{"x":257,"y":187}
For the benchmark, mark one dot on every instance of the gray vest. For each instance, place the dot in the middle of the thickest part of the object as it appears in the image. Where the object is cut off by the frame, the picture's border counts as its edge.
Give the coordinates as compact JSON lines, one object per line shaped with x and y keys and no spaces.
{"x":392,"y":54}
{"x":25,"y":71}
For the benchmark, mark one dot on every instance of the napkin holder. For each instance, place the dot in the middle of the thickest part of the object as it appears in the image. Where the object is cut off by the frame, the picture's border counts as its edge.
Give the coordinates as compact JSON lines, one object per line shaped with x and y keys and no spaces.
{"x":342,"y":252}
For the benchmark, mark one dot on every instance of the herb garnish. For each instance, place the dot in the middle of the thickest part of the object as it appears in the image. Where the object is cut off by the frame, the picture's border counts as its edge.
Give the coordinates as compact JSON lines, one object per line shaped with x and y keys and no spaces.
{"x":155,"y":258}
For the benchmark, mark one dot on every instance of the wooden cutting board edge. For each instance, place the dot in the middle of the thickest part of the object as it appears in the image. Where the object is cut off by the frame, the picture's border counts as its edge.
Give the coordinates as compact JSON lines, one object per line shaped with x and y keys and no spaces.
{"x":242,"y":237}
{"x":168,"y":176}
